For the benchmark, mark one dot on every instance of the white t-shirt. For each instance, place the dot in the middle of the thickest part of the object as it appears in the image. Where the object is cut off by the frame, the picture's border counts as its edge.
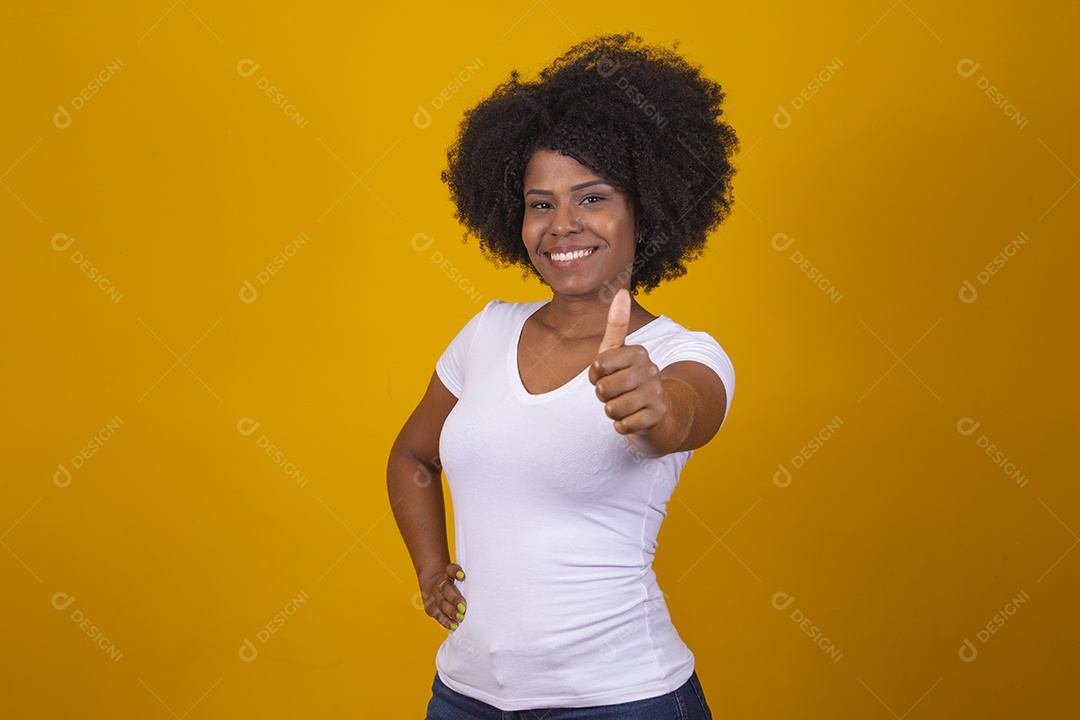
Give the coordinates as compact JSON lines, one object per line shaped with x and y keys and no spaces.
{"x":555,"y":523}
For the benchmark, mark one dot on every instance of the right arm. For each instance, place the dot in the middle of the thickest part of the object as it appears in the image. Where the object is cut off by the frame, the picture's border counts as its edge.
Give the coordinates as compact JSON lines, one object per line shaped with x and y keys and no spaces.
{"x":414,"y":484}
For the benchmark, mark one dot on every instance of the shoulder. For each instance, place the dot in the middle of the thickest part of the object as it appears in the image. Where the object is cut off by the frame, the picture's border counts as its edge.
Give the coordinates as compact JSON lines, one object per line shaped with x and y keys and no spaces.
{"x":669,"y":342}
{"x":664,"y":332}
{"x":673,"y":343}
{"x":500,"y":313}
{"x":503,"y":311}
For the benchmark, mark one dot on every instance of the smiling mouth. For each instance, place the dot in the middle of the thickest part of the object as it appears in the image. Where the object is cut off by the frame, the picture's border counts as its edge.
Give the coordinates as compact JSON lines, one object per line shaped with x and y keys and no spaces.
{"x":572,"y":255}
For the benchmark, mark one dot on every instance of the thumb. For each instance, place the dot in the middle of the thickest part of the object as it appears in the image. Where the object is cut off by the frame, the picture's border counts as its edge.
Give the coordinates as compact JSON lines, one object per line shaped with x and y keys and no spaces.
{"x":618,"y":321}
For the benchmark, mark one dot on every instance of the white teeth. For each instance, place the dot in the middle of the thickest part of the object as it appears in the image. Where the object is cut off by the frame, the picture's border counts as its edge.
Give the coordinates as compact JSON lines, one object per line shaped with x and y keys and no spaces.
{"x":563,"y":257}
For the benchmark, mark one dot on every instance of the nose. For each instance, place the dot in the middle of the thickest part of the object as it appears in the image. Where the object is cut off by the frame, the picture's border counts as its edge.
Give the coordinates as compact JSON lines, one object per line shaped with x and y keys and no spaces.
{"x":564,"y":221}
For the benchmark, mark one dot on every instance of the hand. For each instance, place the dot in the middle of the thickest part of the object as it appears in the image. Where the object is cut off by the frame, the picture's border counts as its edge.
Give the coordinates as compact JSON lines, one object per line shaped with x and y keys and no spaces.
{"x":442,"y":601}
{"x":626,"y":380}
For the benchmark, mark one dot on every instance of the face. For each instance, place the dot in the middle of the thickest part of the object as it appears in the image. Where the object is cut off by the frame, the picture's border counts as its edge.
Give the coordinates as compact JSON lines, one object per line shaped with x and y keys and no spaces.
{"x":579,"y":230}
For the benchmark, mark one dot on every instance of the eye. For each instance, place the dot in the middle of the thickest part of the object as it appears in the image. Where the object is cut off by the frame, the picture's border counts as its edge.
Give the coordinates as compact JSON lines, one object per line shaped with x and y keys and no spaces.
{"x":537,"y":205}
{"x":591,"y":197}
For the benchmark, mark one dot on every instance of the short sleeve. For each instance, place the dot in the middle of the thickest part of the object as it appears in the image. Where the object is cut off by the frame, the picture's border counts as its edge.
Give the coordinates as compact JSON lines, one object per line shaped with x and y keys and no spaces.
{"x":701,"y":347}
{"x":453,"y":364}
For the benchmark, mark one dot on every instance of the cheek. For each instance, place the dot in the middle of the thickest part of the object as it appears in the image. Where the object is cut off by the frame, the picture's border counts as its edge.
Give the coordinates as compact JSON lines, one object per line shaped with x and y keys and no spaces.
{"x":619,"y":234}
{"x":528,"y":234}
{"x":618,"y":219}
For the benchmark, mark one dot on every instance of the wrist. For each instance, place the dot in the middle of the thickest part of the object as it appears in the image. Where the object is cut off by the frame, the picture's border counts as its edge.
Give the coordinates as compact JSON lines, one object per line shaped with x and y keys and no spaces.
{"x":675,"y":424}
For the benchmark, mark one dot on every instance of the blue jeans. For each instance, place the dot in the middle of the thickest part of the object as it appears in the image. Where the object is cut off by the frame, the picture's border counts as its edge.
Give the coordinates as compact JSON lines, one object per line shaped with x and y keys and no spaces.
{"x":685,"y":703}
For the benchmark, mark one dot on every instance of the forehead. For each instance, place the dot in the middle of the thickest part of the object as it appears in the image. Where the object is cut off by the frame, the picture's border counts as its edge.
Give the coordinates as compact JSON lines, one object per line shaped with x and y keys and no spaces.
{"x":551,"y":167}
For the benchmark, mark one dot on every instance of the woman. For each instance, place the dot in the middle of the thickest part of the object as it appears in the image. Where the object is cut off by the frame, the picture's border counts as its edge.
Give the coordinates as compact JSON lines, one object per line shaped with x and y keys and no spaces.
{"x":563,"y":424}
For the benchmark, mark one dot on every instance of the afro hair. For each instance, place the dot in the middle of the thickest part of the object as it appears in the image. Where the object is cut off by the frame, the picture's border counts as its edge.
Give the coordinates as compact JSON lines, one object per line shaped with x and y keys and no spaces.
{"x":641,"y":117}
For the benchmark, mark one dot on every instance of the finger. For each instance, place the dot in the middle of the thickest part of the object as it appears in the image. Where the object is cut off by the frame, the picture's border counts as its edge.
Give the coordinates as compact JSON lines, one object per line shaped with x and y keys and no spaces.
{"x":618,"y":321}
{"x":627,"y":404}
{"x":622,"y":370}
{"x":434,"y":606}
{"x":453,"y":604}
{"x":453,"y":596}
{"x":454,"y":572}
{"x":450,"y":611}
{"x":442,"y":608}
{"x":615,"y":359}
{"x":640,"y":421}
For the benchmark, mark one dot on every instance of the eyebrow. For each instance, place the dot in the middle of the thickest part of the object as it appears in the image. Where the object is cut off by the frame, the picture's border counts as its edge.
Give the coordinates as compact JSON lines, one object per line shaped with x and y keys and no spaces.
{"x":572,"y":189}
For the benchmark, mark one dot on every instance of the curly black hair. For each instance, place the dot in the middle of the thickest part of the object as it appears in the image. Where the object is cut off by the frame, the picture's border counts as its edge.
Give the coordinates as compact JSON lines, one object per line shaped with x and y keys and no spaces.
{"x":641,"y":117}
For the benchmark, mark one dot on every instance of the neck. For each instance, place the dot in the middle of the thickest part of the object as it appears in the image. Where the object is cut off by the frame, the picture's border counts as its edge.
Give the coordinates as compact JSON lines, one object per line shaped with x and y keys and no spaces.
{"x":578,"y":318}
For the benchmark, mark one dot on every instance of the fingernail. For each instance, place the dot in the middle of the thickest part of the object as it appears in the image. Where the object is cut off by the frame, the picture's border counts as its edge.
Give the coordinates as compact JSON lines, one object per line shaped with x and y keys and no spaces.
{"x":460,"y":616}
{"x":461,"y":607}
{"x":453,"y":626}
{"x":460,"y":575}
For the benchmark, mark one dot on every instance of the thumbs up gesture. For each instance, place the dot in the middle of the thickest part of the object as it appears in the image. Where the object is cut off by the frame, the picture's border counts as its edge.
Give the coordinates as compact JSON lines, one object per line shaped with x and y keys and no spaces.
{"x":626,"y":380}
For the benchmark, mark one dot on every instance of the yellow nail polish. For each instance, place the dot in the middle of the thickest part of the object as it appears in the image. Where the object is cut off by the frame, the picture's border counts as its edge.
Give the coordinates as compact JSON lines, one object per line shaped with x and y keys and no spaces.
{"x":461,"y":607}
{"x":460,"y":575}
{"x":453,"y":626}
{"x":460,"y":616}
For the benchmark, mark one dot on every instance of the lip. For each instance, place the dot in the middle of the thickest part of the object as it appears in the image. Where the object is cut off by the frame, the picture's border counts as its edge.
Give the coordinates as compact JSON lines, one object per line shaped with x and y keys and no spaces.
{"x":563,"y":264}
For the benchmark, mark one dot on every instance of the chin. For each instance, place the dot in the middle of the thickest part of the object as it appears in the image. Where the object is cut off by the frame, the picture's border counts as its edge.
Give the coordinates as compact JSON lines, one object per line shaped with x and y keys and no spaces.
{"x":577,"y":289}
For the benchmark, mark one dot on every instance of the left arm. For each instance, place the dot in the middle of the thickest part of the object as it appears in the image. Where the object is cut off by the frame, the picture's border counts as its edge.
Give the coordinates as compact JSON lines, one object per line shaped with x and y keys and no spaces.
{"x":696,"y":403}
{"x":659,"y":412}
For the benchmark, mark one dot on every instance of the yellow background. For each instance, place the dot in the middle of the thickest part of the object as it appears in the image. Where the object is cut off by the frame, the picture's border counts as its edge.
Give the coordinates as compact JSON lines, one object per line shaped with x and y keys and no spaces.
{"x":180,"y":180}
